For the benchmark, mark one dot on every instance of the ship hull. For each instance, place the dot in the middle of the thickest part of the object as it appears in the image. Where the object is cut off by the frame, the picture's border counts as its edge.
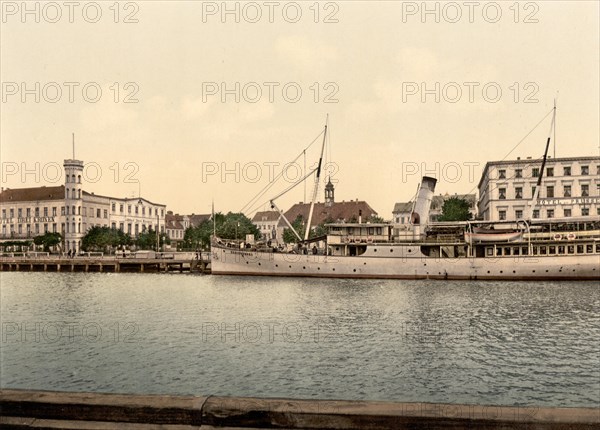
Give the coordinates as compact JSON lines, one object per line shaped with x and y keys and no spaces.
{"x":227,"y":261}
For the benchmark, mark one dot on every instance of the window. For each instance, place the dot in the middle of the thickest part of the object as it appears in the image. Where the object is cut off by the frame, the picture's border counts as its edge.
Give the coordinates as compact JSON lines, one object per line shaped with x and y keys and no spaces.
{"x":45,"y":228}
{"x":535,"y":172}
{"x":105,"y":213}
{"x":567,"y":170}
{"x":150,"y":211}
{"x":137,"y":229}
{"x":532,"y":190}
{"x":62,"y":210}
{"x":128,"y":208}
{"x":37,"y":212}
{"x":585,"y":211}
{"x":550,"y":213}
{"x":550,"y":191}
{"x":502,"y":174}
{"x":162,"y":212}
{"x":518,"y":214}
{"x":567,"y":213}
{"x":54,"y":213}
{"x":12,"y":213}
{"x":37,"y":229}
{"x":128,"y":228}
{"x":518,"y":173}
{"x":20,"y":229}
{"x":501,"y":215}
{"x":585,"y":170}
{"x":518,"y":192}
{"x":54,"y":228}
{"x":536,"y":213}
{"x":585,"y":190}
{"x":20,"y":213}
{"x":121,"y":226}
{"x":121,"y":208}
{"x":3,"y":213}
{"x":97,"y":213}
{"x":78,"y":210}
{"x":143,"y":210}
{"x":550,"y":171}
{"x":113,"y":225}
{"x":45,"y":211}
{"x":502,"y":193}
{"x":567,"y":191}
{"x":28,"y":212}
{"x":137,"y":210}
{"x":113,"y":207}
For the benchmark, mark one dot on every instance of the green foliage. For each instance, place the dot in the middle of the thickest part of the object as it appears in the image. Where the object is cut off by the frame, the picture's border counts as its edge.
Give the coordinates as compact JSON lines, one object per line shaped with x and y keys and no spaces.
{"x":48,"y":240}
{"x":230,"y":226}
{"x":104,"y":239}
{"x":376,"y":219}
{"x":288,"y":234}
{"x":455,"y":209}
{"x":147,"y":240}
{"x":298,"y":224}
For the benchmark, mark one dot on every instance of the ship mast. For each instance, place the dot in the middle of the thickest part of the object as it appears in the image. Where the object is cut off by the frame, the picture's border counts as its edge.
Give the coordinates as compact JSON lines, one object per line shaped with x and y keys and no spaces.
{"x":534,"y":199}
{"x":317,"y":179}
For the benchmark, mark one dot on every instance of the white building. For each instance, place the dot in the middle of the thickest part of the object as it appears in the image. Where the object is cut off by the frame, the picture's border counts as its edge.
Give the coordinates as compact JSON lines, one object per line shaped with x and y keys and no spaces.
{"x":570,"y":188}
{"x":71,"y":211}
{"x":270,"y":225}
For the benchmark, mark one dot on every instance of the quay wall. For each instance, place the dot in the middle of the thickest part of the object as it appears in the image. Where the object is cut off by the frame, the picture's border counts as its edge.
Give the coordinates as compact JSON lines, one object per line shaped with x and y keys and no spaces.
{"x":25,"y":409}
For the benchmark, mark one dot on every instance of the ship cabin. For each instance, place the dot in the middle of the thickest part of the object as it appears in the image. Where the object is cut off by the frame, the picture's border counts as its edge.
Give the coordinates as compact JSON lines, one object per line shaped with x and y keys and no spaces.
{"x":350,"y":239}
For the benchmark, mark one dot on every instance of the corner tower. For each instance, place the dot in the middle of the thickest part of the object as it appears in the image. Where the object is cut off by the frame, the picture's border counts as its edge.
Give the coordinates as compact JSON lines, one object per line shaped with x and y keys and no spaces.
{"x":72,"y":232}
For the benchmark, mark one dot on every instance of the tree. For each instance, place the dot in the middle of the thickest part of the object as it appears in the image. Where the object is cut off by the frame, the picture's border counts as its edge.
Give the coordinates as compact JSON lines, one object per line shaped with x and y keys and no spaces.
{"x":455,"y":209}
{"x":48,"y":240}
{"x":288,"y":234}
{"x":104,"y":239}
{"x":147,"y":239}
{"x":230,"y":226}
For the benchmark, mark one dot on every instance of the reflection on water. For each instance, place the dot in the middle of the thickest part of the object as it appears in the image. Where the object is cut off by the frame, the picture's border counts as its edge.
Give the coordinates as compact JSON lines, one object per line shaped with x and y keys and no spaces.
{"x":502,"y":343}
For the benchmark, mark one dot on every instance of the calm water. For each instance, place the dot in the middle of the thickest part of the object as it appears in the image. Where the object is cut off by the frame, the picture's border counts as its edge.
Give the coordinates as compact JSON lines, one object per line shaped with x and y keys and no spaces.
{"x":487,"y":343}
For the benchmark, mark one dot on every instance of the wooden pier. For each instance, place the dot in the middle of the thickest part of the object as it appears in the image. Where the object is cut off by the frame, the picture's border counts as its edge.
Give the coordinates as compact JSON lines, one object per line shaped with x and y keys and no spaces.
{"x":25,"y":409}
{"x":185,"y":262}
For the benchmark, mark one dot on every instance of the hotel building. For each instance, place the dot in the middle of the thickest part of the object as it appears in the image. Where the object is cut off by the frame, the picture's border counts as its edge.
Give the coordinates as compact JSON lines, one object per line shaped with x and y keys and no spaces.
{"x":570,"y":188}
{"x":71,"y":211}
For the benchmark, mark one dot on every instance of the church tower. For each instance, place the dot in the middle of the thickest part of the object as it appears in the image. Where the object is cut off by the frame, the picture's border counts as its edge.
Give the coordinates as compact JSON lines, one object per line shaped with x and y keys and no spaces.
{"x":329,"y":194}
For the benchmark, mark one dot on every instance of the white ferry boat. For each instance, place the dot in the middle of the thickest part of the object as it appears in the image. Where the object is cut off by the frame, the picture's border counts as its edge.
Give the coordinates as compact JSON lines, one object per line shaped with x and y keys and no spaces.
{"x":565,"y":249}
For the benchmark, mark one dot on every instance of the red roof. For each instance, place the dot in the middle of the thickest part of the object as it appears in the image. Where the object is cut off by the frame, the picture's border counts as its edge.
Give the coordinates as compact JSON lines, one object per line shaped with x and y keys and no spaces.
{"x":32,"y":194}
{"x":338,"y":212}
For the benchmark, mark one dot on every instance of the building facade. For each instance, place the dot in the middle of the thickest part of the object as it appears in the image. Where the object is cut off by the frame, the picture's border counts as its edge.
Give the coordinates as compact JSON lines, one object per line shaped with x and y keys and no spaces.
{"x":270,"y":225}
{"x":71,"y":211}
{"x":570,"y":188}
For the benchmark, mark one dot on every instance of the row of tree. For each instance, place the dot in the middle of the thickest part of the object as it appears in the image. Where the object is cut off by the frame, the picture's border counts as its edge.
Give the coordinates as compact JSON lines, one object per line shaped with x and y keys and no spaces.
{"x":229,"y":226}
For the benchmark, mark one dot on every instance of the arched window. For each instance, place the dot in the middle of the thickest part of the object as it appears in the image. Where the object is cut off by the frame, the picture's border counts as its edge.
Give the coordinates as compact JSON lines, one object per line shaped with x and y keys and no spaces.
{"x":79,"y":179}
{"x":67,"y":191}
{"x":73,"y":178}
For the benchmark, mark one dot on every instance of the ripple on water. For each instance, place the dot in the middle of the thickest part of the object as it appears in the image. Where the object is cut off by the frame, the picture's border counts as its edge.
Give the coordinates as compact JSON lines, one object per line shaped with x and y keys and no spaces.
{"x":487,"y":343}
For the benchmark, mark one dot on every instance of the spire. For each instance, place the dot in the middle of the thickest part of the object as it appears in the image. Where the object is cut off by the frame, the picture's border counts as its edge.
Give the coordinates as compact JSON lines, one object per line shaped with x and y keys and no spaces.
{"x":329,"y":193}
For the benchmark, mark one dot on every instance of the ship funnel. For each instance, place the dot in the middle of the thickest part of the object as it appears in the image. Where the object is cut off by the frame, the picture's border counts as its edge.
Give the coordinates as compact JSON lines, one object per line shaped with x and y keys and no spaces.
{"x":420,"y":214}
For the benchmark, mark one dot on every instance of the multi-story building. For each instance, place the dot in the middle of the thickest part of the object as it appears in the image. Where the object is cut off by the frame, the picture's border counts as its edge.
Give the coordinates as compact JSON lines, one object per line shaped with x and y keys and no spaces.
{"x":177,"y":225}
{"x":570,"y":188}
{"x":71,"y":211}
{"x":269,"y":225}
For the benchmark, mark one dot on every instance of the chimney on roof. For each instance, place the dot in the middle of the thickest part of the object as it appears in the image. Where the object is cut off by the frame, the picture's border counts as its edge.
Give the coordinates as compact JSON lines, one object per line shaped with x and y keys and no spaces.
{"x":518,"y":158}
{"x":360,"y":216}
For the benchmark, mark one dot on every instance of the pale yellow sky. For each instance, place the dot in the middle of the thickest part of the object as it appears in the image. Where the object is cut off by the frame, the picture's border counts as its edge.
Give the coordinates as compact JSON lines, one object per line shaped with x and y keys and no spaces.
{"x":372,"y":64}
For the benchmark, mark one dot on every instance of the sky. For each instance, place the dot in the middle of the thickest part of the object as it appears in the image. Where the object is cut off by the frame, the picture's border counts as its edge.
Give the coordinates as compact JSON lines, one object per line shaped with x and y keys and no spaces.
{"x":193,"y":102}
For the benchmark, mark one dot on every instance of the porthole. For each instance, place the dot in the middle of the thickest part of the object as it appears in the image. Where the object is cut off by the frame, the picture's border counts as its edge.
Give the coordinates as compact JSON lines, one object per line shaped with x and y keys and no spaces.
{"x":333,"y":269}
{"x":391,"y":250}
{"x":375,"y":250}
{"x":410,"y":250}
{"x":354,"y":270}
{"x":290,"y":267}
{"x":304,"y":267}
{"x":277,"y":265}
{"x":259,"y":264}
{"x":318,"y":268}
